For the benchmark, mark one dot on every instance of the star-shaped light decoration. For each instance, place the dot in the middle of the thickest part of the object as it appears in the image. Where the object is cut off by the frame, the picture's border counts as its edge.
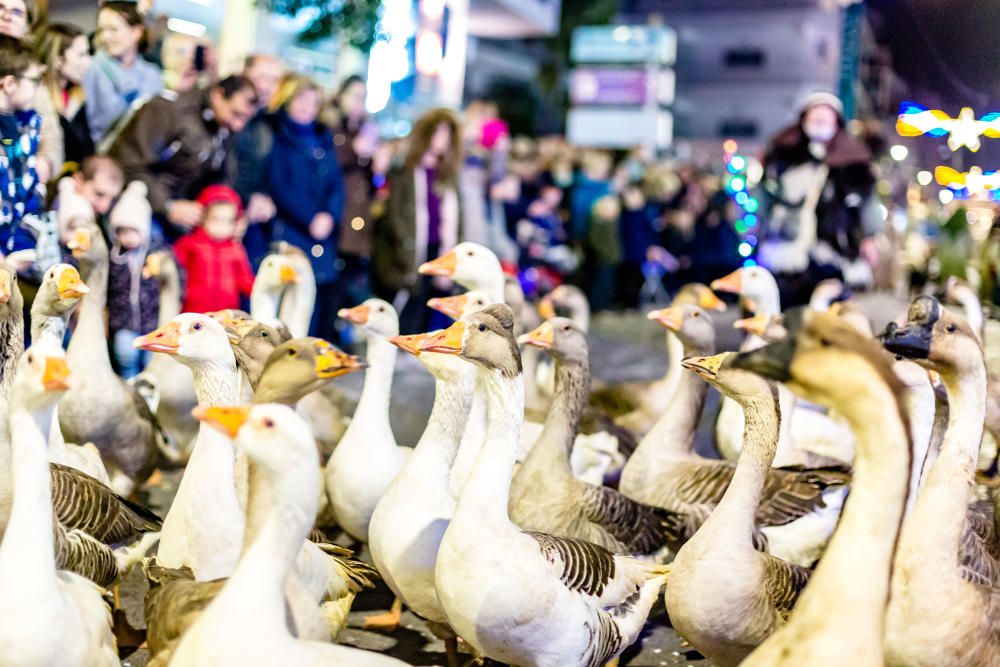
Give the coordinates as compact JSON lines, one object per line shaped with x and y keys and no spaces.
{"x":915,"y":120}
{"x":970,"y":183}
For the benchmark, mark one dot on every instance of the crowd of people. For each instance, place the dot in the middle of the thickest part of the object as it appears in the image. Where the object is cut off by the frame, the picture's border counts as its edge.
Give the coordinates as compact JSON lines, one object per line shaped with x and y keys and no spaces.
{"x":123,"y":125}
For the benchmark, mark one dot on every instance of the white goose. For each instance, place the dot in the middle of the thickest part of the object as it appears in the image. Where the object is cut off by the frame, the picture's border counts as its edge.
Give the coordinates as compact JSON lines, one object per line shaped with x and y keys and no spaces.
{"x":526,"y":598}
{"x":204,"y":528}
{"x":367,"y":458}
{"x":245,"y":623}
{"x":47,"y":616}
{"x":284,"y":289}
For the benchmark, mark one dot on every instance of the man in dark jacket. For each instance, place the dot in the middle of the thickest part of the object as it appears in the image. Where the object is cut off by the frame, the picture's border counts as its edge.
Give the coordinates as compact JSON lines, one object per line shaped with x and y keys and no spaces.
{"x":177,"y":144}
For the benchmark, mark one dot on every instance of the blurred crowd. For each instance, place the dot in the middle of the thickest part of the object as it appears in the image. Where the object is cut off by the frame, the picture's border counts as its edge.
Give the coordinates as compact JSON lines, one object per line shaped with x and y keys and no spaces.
{"x":128,"y":126}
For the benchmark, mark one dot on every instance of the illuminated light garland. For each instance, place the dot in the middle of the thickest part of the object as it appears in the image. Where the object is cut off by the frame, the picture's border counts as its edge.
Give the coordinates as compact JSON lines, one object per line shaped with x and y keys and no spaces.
{"x":915,"y":120}
{"x":736,"y":185}
{"x":970,"y":183}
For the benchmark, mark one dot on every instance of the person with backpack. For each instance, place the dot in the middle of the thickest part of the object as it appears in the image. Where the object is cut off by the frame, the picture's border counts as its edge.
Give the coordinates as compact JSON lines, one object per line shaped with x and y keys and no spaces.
{"x":119,"y":77}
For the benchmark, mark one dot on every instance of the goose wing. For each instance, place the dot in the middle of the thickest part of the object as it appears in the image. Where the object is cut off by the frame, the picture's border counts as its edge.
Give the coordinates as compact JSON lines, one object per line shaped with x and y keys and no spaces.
{"x":78,"y":552}
{"x":979,"y":551}
{"x":173,"y":603}
{"x":82,"y":503}
{"x":791,"y":494}
{"x":583,"y":566}
{"x":783,"y":582}
{"x":641,"y":528}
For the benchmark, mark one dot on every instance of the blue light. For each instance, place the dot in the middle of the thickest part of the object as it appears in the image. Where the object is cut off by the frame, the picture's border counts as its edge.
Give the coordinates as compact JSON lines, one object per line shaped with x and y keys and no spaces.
{"x":752,"y":240}
{"x":737,"y":163}
{"x":741,"y":198}
{"x":750,"y":205}
{"x":747,"y":263}
{"x":745,"y":249}
{"x":737,"y":184}
{"x":750,"y":220}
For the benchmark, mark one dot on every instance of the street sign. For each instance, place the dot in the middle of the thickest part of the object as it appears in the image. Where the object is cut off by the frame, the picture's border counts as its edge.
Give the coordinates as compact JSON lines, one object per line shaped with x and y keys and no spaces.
{"x":624,"y":44}
{"x":621,"y":86}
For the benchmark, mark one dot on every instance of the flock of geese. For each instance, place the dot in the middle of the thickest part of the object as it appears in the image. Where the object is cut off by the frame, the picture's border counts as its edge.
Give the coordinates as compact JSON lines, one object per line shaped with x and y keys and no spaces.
{"x":536,"y":522}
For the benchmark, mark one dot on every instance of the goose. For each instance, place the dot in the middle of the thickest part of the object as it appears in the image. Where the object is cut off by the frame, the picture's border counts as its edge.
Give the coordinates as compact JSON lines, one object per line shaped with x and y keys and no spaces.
{"x":404,"y":536}
{"x":955,"y":576}
{"x":569,"y":301}
{"x":100,"y":407}
{"x":839,"y":618}
{"x":520,"y":597}
{"x":285,"y":289}
{"x":322,"y":571}
{"x":546,"y":496}
{"x":637,"y":405}
{"x":826,"y":293}
{"x":798,"y":510}
{"x":245,"y":624}
{"x":725,"y":597}
{"x":367,"y":458}
{"x":172,"y":382}
{"x":203,"y":530}
{"x":48,"y":616}
{"x":57,"y":297}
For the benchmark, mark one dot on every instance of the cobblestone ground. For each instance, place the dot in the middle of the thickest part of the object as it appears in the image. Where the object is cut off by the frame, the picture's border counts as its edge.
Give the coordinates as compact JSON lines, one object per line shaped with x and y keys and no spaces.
{"x":623,"y":347}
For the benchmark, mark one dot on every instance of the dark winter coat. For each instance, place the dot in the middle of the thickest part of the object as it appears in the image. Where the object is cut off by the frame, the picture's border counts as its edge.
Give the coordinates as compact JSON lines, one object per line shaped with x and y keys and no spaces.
{"x":133,"y":301}
{"x":358,"y":191}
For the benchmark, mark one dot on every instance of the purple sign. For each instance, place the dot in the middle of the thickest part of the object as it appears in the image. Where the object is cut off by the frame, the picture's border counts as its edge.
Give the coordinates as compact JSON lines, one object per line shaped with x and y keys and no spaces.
{"x":601,"y":85}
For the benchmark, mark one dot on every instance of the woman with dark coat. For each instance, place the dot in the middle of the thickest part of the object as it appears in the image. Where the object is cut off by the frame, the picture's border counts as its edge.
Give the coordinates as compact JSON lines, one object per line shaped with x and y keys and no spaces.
{"x":308,"y":189}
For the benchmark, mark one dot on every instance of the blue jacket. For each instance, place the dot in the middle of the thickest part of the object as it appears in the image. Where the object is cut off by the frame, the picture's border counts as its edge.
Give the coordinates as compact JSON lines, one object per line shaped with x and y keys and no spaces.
{"x":583,"y":196}
{"x":305,"y":179}
{"x":19,"y":184}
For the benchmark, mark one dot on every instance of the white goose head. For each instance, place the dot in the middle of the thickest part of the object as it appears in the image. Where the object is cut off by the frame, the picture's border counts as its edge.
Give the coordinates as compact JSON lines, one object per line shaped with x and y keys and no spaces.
{"x":756,"y":286}
{"x":276,"y":273}
{"x":460,"y":305}
{"x":42,"y":376}
{"x":472,"y":266}
{"x":375,"y":316}
{"x":192,"y":338}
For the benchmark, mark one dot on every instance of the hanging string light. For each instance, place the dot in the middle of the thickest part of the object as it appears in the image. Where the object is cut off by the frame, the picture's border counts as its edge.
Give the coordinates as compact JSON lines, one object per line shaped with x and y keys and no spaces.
{"x":737,"y":182}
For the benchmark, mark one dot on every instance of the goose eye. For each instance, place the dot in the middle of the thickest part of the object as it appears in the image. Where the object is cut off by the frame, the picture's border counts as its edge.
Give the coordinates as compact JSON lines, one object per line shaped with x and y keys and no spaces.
{"x":469,"y":253}
{"x":291,"y":353}
{"x":482,"y":327}
{"x":565,"y":327}
{"x":197,"y":326}
{"x":268,"y":423}
{"x":381,"y":309}
{"x":696,"y":314}
{"x":899,"y":357}
{"x":263,"y":334}
{"x":950,"y":328}
{"x":31,"y":358}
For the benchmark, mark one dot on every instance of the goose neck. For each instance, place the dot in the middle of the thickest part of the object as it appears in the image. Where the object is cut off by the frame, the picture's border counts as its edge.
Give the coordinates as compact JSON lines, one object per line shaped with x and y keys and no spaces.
{"x":919,"y":404}
{"x":264,"y":304}
{"x":216,"y":382}
{"x":170,"y":299}
{"x":672,"y":436}
{"x":375,"y":395}
{"x":88,"y":346}
{"x":551,"y":452}
{"x":446,"y":424}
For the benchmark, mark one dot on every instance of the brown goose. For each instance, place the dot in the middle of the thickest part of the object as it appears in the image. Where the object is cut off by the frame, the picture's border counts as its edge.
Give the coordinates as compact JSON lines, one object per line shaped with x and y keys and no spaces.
{"x":798,"y":510}
{"x":545,"y":496}
{"x":102,"y":408}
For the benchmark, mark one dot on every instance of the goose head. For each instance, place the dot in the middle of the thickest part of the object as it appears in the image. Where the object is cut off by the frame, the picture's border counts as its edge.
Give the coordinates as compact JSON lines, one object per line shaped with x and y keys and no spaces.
{"x":697,"y":294}
{"x":191,"y":338}
{"x":570,"y":301}
{"x":738,"y":384}
{"x":88,"y":247}
{"x":441,"y":366}
{"x":756,"y":287}
{"x":935,"y":338}
{"x":563,"y":338}
{"x":375,"y":316}
{"x":161,"y":266}
{"x":471,"y":265}
{"x":276,"y":272}
{"x":229,"y":316}
{"x":485,"y":338}
{"x":823,"y":359}
{"x":42,"y":376}
{"x":828,"y":292}
{"x":461,"y":304}
{"x":60,"y":291}
{"x":690,"y":324}
{"x":299,"y":367}
{"x":11,"y":300}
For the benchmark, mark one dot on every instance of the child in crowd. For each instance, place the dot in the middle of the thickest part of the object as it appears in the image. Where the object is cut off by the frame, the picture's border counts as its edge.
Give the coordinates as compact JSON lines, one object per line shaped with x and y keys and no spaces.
{"x":133,"y":298}
{"x":218,"y":269}
{"x":20,"y":128}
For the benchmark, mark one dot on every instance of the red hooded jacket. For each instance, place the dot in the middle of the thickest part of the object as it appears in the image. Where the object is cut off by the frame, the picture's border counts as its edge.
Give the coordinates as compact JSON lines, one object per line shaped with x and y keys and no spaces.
{"x":218,"y":272}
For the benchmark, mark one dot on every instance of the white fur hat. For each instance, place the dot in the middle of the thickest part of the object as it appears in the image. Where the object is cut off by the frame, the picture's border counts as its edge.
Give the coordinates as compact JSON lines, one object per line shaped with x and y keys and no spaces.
{"x":133,"y":210}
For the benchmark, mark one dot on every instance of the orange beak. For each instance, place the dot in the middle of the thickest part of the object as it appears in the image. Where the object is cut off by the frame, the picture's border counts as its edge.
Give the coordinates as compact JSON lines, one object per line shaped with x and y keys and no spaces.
{"x":452,"y":306}
{"x":412,"y":342}
{"x":153,"y":266}
{"x":672,"y":318}
{"x":227,"y":420}
{"x":6,"y":291}
{"x":542,"y":337}
{"x":69,"y":284}
{"x":166,"y":339}
{"x":444,"y":265}
{"x":287,"y":275}
{"x":756,"y":325}
{"x":448,"y":341}
{"x":547,"y":307}
{"x":55,"y":377}
{"x":708,"y":301}
{"x":332,"y":363}
{"x":732,"y":283}
{"x":80,"y":243}
{"x":356,"y":315}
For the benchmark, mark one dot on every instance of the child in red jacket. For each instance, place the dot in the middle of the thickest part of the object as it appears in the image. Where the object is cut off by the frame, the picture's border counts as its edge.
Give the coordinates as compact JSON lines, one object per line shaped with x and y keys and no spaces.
{"x":218,"y":271}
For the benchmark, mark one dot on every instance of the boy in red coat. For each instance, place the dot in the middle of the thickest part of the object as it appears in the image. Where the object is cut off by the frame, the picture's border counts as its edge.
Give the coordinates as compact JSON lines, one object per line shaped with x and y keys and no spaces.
{"x":218,"y":271}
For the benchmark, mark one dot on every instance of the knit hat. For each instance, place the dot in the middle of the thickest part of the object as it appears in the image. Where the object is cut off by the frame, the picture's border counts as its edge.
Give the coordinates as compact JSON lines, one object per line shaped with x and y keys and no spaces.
{"x":72,"y":207}
{"x":221,"y":194}
{"x":819,"y":97}
{"x":133,"y":210}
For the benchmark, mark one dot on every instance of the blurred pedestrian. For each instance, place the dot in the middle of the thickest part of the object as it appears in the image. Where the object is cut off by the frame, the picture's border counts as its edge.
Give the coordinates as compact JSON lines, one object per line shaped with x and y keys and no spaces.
{"x":308,"y":189}
{"x":422,"y":218}
{"x":119,"y":77}
{"x":87,"y":195}
{"x":64,"y":50}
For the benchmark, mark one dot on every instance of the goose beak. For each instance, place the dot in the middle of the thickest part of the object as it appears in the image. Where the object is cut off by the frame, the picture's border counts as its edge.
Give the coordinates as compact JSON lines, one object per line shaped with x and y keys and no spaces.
{"x":6,"y":291}
{"x":166,"y":339}
{"x":79,"y":245}
{"x":756,"y":325}
{"x":706,"y":367}
{"x":448,"y":341}
{"x":707,"y":300}
{"x":69,"y":285}
{"x":55,"y":377}
{"x":771,"y":361}
{"x":152,"y":267}
{"x":731,"y":283}
{"x":541,"y":337}
{"x":412,"y":342}
{"x":227,"y":420}
{"x":287,"y":275}
{"x":547,"y":307}
{"x":332,"y":363}
{"x":911,"y":341}
{"x":672,"y":318}
{"x":444,"y":265}
{"x":452,"y":306}
{"x":357,"y":315}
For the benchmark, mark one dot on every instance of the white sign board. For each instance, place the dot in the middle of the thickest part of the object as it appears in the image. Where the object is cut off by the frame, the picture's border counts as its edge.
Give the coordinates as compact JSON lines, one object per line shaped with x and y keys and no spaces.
{"x":599,"y":127}
{"x":624,"y":44}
